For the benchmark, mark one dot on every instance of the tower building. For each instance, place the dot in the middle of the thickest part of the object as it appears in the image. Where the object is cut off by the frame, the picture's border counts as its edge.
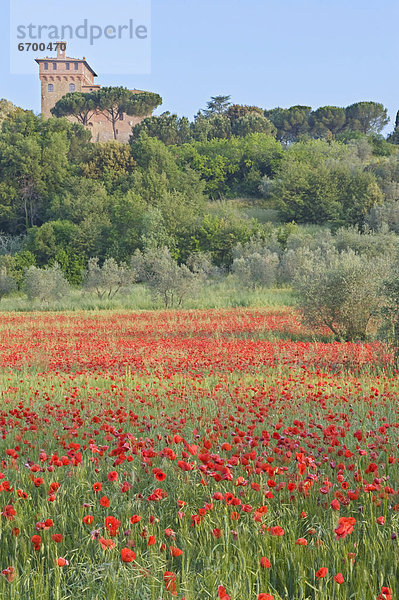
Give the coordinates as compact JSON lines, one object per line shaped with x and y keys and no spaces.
{"x":62,"y":75}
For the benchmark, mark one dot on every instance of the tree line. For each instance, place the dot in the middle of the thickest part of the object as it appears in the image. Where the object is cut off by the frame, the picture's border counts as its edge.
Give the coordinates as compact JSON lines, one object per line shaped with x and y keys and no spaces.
{"x":65,"y":200}
{"x":222,"y":119}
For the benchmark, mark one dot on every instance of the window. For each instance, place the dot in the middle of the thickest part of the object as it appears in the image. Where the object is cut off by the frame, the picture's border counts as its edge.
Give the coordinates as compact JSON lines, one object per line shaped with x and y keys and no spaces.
{"x":76,"y":66}
{"x":50,"y":87}
{"x":46,"y":66}
{"x":67,"y":66}
{"x":54,"y":66}
{"x":71,"y":87}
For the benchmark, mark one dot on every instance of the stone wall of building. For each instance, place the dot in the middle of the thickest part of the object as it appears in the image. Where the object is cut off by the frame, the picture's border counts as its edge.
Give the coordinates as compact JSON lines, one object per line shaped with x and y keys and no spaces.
{"x":101,"y":128}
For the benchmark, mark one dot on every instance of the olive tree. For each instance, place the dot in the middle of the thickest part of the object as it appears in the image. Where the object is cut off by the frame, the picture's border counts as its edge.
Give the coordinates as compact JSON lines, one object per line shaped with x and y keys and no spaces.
{"x":7,"y":283}
{"x":108,"y":279}
{"x":45,"y":284}
{"x":167,"y":280}
{"x":256,"y":268}
{"x":390,"y":309}
{"x":341,"y":291}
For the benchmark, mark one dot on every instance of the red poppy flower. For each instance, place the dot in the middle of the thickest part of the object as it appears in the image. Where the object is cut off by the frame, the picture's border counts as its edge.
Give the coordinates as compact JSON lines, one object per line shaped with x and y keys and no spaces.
{"x":112,"y":476}
{"x":88,"y":519}
{"x":157,"y":495}
{"x":216,"y":533}
{"x":170,"y":582}
{"x":175,"y":551}
{"x":339,"y":578}
{"x":278,"y":531}
{"x":265,"y":597}
{"x":345,"y":527}
{"x":106,"y":544}
{"x":386,"y":594}
{"x":169,"y":532}
{"x":36,"y":541}
{"x":10,"y":574}
{"x":160,"y":476}
{"x":62,"y":562}
{"x":57,"y":537}
{"x":222,"y":594}
{"x":97,"y":487}
{"x":135,"y":519}
{"x":321,"y":572}
{"x":127,"y":555}
{"x":301,"y":542}
{"x":112,"y":524}
{"x":9,"y":512}
{"x":265,"y":562}
{"x":104,"y":501}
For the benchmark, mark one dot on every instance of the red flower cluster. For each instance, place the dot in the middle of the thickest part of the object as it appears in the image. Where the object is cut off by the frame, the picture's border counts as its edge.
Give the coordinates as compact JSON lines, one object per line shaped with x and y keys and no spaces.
{"x":246,"y":430}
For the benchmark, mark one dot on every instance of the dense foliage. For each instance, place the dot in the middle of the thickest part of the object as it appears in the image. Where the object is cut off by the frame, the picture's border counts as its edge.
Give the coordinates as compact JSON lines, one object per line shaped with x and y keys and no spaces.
{"x":65,"y":200}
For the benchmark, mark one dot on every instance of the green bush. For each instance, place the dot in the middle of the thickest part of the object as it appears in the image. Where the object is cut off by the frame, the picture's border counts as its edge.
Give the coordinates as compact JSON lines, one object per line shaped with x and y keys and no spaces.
{"x":341,"y":291}
{"x":106,"y":280}
{"x":164,"y":277}
{"x":45,"y":284}
{"x":7,"y":284}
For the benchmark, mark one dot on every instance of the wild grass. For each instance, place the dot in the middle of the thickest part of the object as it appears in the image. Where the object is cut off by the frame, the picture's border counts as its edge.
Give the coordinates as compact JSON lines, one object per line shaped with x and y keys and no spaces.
{"x":222,"y":294}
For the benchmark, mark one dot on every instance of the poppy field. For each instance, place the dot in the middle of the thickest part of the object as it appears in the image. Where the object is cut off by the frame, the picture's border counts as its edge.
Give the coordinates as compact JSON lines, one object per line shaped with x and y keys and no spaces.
{"x":196,"y":455}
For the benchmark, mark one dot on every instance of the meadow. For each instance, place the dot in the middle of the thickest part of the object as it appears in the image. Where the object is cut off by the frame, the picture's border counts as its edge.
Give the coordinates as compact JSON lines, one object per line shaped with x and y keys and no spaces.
{"x":198,"y":455}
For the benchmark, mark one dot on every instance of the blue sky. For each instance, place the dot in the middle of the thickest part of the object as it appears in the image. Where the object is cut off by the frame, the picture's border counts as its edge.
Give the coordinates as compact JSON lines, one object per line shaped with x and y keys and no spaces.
{"x":264,"y":52}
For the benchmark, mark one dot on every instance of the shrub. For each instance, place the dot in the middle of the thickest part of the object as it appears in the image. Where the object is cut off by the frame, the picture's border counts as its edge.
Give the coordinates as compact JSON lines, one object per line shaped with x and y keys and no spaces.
{"x":11,"y":244}
{"x":366,"y":242}
{"x":256,"y":269}
{"x":45,"y":284}
{"x":165,"y":278}
{"x":385,"y":216}
{"x":22,"y":261}
{"x":7,"y":283}
{"x":106,"y":280}
{"x":341,"y":291}
{"x":391,"y":306}
{"x":201,"y":264}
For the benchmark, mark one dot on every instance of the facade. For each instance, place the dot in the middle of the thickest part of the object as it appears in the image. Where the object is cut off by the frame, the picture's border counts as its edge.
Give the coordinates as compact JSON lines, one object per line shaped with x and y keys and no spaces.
{"x":63,"y":74}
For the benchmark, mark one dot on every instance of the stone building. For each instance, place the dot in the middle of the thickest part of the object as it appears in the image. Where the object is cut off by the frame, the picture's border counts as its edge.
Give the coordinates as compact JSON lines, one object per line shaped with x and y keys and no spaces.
{"x":63,"y":74}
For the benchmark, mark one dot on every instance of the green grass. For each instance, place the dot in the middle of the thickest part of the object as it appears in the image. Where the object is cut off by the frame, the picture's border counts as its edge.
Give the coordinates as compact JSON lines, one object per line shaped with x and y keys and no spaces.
{"x":218,"y":295}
